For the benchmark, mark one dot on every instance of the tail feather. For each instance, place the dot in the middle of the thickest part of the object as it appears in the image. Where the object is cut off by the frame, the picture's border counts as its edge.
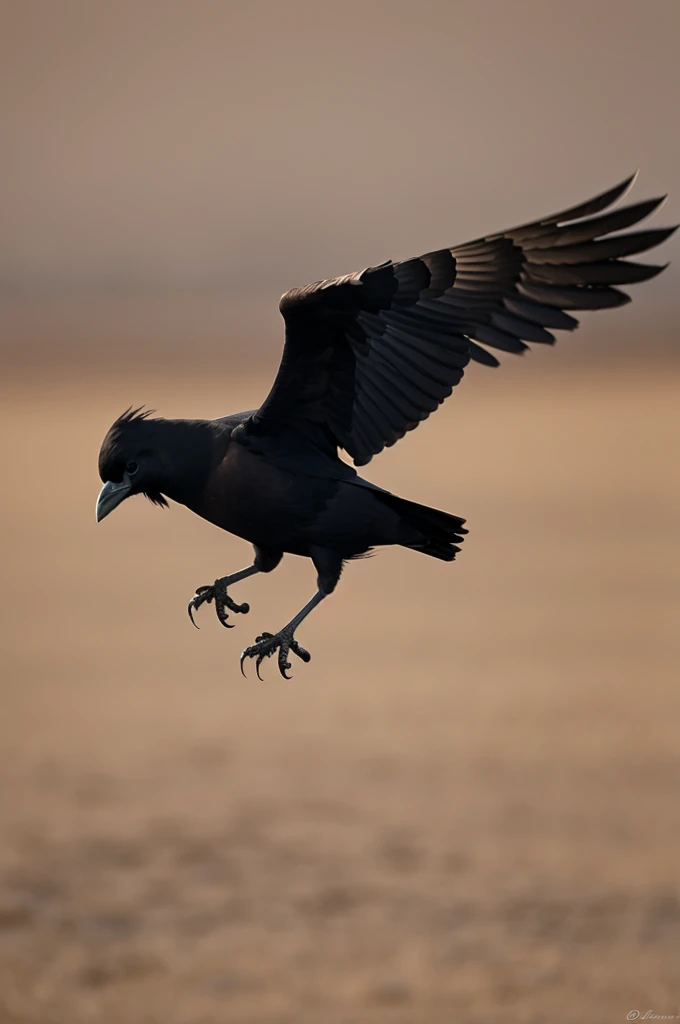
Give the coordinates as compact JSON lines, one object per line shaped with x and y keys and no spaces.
{"x":429,"y":530}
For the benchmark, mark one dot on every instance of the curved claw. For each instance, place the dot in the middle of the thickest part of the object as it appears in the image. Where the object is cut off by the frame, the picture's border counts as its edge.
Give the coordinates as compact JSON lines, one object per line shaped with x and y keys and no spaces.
{"x":267,"y":644}
{"x":217,"y":593}
{"x":283,"y":662}
{"x":203,"y":595}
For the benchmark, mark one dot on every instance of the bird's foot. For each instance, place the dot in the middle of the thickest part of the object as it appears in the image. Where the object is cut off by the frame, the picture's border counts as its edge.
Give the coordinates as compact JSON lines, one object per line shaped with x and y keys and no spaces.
{"x":217,"y":593}
{"x":268,"y":643}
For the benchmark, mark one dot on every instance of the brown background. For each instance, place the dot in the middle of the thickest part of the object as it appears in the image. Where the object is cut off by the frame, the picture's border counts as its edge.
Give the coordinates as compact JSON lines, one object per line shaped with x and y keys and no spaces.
{"x":466,"y":806}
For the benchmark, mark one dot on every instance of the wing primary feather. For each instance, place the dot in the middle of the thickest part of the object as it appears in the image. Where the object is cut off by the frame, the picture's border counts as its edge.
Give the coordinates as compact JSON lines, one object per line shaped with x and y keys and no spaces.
{"x":607,"y":272}
{"x":546,"y":316}
{"x":522,"y":328}
{"x":607,"y":248}
{"x":595,"y":227}
{"x":587,"y":209}
{"x":480,"y":355}
{"x":575,"y":298}
{"x":499,"y":339}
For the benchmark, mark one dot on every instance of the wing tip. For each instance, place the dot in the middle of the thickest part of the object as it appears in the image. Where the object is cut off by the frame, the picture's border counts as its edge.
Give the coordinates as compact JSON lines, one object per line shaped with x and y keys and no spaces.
{"x":658,"y":202}
{"x":603,"y":200}
{"x":627,"y":184}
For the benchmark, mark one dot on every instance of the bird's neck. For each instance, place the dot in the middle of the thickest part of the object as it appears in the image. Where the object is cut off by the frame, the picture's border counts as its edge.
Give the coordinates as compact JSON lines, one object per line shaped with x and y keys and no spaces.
{"x":190,"y":448}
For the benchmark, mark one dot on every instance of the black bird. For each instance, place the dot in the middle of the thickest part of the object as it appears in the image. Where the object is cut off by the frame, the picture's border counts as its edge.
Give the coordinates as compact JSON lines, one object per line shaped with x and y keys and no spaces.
{"x":366,"y":358}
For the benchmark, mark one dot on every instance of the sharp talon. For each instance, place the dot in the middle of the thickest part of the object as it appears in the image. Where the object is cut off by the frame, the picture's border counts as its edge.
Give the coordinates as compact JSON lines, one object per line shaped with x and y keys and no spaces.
{"x":267,"y":644}
{"x":243,"y":658}
{"x":217,"y":593}
{"x":199,"y":598}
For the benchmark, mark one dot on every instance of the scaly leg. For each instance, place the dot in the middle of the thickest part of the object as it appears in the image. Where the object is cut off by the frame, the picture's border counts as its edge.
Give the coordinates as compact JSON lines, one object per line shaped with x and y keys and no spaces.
{"x":264,"y":561}
{"x":328,"y":566}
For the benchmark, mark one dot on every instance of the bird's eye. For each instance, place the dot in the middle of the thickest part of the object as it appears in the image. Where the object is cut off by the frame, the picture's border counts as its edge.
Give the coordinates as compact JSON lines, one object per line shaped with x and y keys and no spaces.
{"x":132,"y":468}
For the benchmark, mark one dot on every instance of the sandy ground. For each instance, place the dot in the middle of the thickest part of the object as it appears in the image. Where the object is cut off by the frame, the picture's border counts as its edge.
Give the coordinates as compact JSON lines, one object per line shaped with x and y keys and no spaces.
{"x":465,"y":808}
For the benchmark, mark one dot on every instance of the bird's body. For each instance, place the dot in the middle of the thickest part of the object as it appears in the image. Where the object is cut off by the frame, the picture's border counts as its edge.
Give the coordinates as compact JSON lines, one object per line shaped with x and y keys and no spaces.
{"x":367,"y":357}
{"x":271,"y":505}
{"x":298,"y":500}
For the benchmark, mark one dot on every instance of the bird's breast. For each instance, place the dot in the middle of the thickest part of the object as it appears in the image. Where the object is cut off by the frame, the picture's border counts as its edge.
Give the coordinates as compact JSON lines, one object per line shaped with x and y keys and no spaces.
{"x":255,"y":499}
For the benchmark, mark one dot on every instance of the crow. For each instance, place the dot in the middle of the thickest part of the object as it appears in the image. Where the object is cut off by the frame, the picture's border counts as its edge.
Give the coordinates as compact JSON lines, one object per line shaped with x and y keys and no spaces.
{"x":366,"y":358}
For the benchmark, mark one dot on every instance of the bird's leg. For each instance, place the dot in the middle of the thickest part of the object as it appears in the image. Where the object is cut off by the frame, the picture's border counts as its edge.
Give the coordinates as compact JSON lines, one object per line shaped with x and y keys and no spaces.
{"x":218,"y":593}
{"x":265,"y":561}
{"x":284,"y":641}
{"x":328,"y":564}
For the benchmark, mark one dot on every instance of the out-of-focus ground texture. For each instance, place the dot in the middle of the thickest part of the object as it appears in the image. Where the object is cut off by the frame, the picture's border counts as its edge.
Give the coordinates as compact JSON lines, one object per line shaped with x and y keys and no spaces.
{"x":467,"y":806}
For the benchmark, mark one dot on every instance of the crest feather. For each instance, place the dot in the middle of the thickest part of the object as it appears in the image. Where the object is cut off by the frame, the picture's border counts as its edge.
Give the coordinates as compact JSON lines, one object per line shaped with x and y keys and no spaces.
{"x":132,"y":414}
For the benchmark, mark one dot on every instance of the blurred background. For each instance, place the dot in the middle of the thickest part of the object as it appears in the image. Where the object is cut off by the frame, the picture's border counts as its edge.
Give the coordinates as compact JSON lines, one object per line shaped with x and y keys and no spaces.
{"x":466,"y":806}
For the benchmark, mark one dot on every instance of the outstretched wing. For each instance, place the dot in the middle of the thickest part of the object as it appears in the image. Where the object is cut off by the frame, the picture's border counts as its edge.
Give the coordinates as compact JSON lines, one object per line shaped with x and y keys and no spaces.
{"x":370,"y":355}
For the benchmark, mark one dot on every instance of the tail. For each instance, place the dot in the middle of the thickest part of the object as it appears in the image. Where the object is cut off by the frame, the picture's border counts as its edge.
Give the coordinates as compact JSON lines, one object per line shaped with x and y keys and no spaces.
{"x":429,"y":530}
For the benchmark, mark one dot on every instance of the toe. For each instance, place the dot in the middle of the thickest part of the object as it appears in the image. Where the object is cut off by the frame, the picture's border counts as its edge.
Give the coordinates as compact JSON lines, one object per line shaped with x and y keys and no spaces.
{"x":284,"y":664}
{"x":222,"y":617}
{"x":267,"y":644}
{"x":302,"y":654}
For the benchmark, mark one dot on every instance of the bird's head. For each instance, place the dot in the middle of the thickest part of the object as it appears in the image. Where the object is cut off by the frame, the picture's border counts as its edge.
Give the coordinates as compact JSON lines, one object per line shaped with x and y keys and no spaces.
{"x":132,"y":460}
{"x":156,"y":457}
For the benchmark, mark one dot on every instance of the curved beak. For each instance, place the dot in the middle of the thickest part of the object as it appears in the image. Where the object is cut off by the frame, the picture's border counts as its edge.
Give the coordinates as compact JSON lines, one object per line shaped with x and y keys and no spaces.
{"x":111,"y":496}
